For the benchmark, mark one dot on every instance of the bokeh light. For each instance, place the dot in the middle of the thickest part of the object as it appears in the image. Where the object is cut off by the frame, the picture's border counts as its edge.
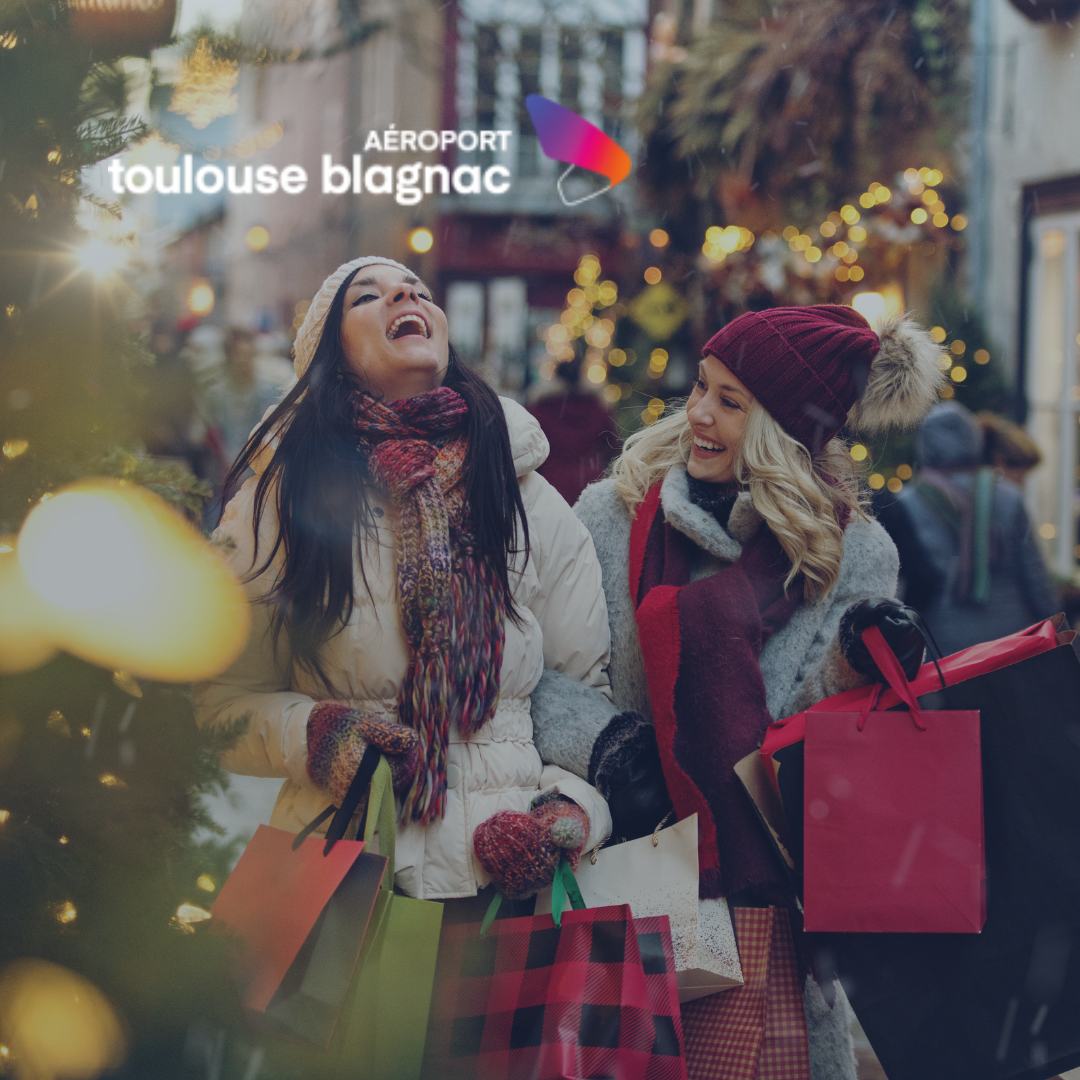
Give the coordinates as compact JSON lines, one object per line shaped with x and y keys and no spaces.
{"x":56,"y":1024}
{"x":257,"y":238}
{"x":200,"y":297}
{"x":421,"y":240}
{"x":112,"y":574}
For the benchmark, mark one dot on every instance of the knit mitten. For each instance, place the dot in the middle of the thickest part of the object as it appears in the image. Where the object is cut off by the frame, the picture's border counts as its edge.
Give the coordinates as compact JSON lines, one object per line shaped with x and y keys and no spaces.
{"x":337,"y":737}
{"x":521,"y":851}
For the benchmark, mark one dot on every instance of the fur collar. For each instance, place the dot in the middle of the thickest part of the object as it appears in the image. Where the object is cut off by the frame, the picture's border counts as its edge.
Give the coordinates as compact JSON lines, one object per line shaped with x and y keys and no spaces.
{"x":697,"y":523}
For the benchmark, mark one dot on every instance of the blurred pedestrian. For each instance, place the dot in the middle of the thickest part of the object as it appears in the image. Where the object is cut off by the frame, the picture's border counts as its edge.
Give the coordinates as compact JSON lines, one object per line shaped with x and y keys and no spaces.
{"x":235,"y":402}
{"x":166,"y":420}
{"x":580,"y":429}
{"x":973,"y":566}
{"x":1008,"y":447}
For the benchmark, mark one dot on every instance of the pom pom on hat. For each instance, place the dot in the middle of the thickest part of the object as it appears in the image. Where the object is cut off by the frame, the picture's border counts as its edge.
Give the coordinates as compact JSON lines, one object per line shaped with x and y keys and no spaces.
{"x":307,"y":337}
{"x":905,"y":381}
{"x":818,"y":367}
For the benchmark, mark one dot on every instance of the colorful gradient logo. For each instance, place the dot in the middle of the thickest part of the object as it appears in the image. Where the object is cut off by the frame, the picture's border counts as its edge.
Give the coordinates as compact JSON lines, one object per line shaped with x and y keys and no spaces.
{"x":565,"y":136}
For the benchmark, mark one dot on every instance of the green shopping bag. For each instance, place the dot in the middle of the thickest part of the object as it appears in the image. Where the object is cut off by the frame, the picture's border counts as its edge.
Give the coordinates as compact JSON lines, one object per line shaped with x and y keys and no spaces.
{"x":387,"y":1016}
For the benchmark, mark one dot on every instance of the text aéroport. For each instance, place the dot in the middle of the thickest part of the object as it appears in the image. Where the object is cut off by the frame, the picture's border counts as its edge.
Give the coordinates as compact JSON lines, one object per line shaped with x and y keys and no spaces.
{"x":407,"y":183}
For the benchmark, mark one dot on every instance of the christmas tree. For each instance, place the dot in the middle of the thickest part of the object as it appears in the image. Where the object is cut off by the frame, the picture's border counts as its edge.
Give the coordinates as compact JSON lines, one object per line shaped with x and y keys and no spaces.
{"x":103,"y":967}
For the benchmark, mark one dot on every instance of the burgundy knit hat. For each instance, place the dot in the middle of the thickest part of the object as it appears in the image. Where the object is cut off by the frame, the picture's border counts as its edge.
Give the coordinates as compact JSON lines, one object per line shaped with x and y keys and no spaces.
{"x":817,"y":368}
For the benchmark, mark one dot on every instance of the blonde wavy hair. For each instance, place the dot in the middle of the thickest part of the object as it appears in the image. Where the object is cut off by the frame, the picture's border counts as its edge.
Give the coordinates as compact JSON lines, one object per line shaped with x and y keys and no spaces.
{"x":800,"y":496}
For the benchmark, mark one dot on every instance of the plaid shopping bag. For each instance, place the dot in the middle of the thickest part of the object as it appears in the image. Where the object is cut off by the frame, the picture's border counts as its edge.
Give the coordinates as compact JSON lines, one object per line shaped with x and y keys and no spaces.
{"x":532,"y":1000}
{"x":662,"y":985}
{"x":758,"y":1030}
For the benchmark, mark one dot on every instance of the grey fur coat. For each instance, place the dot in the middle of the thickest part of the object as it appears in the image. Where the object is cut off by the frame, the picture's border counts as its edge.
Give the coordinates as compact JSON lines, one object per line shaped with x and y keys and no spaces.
{"x":800,"y":664}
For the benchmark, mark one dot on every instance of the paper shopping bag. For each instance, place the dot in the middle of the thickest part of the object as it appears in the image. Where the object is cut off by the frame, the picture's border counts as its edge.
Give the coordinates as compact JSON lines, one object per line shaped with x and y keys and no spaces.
{"x":658,"y":875}
{"x":662,"y":985}
{"x":1003,"y":1004}
{"x":391,"y":999}
{"x":893,"y":816}
{"x":531,"y":999}
{"x":758,"y":1031}
{"x":301,"y":908}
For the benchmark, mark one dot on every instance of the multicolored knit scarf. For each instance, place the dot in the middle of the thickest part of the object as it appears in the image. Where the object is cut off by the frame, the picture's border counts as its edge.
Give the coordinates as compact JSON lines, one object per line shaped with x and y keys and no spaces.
{"x":452,"y":604}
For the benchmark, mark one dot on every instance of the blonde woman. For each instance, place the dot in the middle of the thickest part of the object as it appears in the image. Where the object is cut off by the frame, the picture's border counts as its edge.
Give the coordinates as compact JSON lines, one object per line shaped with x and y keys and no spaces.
{"x":740,"y":568}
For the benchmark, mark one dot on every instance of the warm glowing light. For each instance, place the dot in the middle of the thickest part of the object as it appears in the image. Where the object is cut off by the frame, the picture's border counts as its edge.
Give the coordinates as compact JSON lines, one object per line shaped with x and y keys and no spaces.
{"x":827,"y":229}
{"x":895,"y":485}
{"x":596,"y":374}
{"x":257,"y":238}
{"x":857,"y":234}
{"x":14,"y":448}
{"x":842,"y":273}
{"x":959,"y":222}
{"x":904,"y":472}
{"x":65,"y":912}
{"x":656,"y":405}
{"x":812,"y":254}
{"x":612,"y":393}
{"x":616,"y":358}
{"x":188,"y":914}
{"x":56,"y":1024}
{"x":4,"y":815}
{"x":958,"y":374}
{"x":849,"y":214}
{"x":204,"y":92}
{"x":200,"y":297}
{"x":94,"y":568}
{"x":958,"y":348}
{"x":919,"y":215}
{"x":421,"y":240}
{"x":653,"y":275}
{"x":1047,"y":531}
{"x":876,"y":481}
{"x":111,"y":781}
{"x":941,"y":220}
{"x":859,"y":452}
{"x":856,"y":273}
{"x":658,"y":359}
{"x":937,"y":333}
{"x":870,"y":305}
{"x":929,"y":197}
{"x":947,"y":392}
{"x":981,"y":356}
{"x":945,"y":360}
{"x":882,"y":195}
{"x":866,"y":200}
{"x":100,"y":258}
{"x":659,"y":239}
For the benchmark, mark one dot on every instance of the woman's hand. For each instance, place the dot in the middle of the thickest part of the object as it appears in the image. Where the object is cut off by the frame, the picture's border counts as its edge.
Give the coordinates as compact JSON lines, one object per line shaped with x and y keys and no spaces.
{"x":521,"y":851}
{"x":625,"y":768}
{"x":337,"y":737}
{"x":898,"y":627}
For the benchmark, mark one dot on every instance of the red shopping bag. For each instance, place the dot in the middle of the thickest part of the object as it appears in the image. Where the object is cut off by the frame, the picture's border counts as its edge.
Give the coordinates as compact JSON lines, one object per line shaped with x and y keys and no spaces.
{"x":758,"y":1030}
{"x":662,"y":985}
{"x":531,"y":999}
{"x":893,"y":816}
{"x":301,"y":907}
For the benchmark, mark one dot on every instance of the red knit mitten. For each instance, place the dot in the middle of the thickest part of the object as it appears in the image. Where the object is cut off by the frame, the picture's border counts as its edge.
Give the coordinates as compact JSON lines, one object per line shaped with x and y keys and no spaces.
{"x":521,"y":851}
{"x":337,"y":737}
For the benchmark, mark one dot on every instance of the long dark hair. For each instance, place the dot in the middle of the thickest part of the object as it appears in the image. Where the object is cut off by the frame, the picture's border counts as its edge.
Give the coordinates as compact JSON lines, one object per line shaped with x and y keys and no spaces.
{"x":322,"y":476}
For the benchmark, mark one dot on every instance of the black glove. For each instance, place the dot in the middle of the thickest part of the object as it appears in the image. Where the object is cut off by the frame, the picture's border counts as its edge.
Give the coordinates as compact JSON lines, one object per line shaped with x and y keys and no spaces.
{"x":625,"y":768}
{"x":898,"y":627}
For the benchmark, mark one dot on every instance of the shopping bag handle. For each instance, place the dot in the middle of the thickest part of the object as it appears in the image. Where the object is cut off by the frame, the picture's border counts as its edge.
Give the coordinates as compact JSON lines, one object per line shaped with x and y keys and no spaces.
{"x":381,"y":813}
{"x":890,"y":667}
{"x":343,"y":814}
{"x":565,"y":885}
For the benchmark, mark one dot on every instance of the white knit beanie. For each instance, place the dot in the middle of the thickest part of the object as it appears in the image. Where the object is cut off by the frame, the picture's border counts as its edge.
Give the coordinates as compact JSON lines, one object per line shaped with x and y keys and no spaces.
{"x":307,"y":337}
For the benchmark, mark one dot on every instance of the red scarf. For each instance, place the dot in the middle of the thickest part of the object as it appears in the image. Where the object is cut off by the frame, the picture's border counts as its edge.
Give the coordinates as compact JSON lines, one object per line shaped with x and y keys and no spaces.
{"x":701,"y":641}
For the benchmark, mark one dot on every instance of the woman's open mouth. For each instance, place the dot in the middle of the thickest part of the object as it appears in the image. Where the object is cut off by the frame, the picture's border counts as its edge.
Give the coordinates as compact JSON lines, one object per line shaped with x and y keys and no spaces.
{"x":410,"y":325}
{"x":704,"y":448}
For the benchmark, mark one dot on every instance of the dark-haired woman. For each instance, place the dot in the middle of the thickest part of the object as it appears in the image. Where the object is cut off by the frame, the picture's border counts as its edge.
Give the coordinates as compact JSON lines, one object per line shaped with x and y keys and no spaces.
{"x":410,"y":576}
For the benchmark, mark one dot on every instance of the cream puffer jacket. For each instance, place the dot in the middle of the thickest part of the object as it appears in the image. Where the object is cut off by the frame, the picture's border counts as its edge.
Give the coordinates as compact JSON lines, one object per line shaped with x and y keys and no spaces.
{"x":563,"y":626}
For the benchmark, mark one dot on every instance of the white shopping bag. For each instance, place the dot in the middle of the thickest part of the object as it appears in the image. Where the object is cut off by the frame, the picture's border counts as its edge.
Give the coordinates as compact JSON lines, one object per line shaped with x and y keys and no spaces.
{"x":658,"y":875}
